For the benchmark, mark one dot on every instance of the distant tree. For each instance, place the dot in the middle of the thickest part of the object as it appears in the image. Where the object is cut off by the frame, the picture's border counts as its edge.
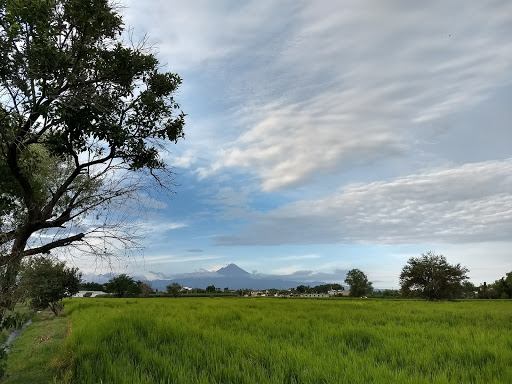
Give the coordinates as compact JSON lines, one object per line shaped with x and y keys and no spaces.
{"x":211,"y":289}
{"x":324,"y":288}
{"x":174,"y":289}
{"x":431,"y":277}
{"x":390,"y":293}
{"x":87,"y":294}
{"x":91,"y":286}
{"x":500,"y":289}
{"x":123,"y":286}
{"x":483,"y":291}
{"x":359,"y":284}
{"x":302,"y":289}
{"x":469,"y":291}
{"x":45,"y":281}
{"x":145,"y":289}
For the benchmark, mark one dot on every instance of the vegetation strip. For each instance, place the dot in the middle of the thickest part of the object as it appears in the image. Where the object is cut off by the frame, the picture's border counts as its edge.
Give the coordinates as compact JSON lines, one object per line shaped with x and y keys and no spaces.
{"x":33,"y":355}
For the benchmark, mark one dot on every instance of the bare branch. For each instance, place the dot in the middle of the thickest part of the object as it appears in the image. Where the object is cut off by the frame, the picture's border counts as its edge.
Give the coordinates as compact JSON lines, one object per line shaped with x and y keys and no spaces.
{"x":55,"y":244}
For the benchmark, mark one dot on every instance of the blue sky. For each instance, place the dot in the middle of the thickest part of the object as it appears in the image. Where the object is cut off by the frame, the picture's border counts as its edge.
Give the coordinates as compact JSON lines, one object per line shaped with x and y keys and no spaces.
{"x":323,"y":136}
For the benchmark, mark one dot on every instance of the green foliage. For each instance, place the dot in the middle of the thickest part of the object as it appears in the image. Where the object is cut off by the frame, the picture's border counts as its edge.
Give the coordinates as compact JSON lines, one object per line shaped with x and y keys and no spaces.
{"x":86,"y":286}
{"x":123,"y":286}
{"x":359,"y":284}
{"x":303,"y":289}
{"x":325,"y":288}
{"x":77,"y":104}
{"x":145,"y":289}
{"x":246,"y":340}
{"x":500,"y":289}
{"x":33,"y":355}
{"x":387,"y":294}
{"x":45,"y":281}
{"x":174,"y":289}
{"x":431,"y":277}
{"x":13,"y":321}
{"x":211,"y":289}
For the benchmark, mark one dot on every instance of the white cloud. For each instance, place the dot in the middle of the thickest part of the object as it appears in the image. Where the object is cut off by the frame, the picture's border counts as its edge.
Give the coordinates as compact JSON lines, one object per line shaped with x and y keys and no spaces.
{"x":299,"y":257}
{"x":350,"y":85}
{"x":150,"y":202}
{"x":171,"y":226}
{"x":288,"y":270}
{"x":190,"y":34}
{"x":470,"y":203}
{"x":173,"y":259}
{"x":184,"y":161}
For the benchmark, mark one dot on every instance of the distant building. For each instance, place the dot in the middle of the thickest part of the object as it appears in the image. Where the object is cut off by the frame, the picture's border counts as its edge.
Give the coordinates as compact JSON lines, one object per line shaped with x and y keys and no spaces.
{"x":93,"y":293}
{"x":314,"y":295}
{"x":336,"y":292}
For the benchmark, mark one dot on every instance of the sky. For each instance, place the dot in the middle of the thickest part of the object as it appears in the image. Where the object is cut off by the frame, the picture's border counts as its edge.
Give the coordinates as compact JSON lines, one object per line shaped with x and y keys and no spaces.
{"x":323,"y":136}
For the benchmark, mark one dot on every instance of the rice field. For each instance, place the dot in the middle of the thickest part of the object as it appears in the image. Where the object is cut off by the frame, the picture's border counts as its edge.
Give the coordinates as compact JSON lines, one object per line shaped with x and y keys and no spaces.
{"x":267,"y":340}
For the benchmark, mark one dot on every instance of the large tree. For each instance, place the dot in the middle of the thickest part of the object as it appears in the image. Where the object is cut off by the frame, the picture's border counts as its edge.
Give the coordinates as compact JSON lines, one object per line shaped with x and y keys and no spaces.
{"x":359,"y":284}
{"x":80,"y":111}
{"x":431,"y":277}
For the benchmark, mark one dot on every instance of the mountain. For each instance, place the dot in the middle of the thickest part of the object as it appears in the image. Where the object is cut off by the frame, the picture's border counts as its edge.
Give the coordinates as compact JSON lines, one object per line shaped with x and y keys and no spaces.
{"x":234,"y":277}
{"x":233,"y":270}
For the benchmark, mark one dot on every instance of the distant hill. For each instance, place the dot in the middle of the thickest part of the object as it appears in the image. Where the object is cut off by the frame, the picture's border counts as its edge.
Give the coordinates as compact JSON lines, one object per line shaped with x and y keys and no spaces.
{"x":230,"y":276}
{"x":233,"y":270}
{"x":234,"y":277}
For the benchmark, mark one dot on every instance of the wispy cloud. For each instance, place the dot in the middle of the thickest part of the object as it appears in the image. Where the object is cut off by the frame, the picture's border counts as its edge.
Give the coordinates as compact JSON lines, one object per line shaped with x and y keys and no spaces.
{"x":176,"y":259}
{"x":470,"y":203}
{"x":359,"y":85}
{"x":299,"y":257}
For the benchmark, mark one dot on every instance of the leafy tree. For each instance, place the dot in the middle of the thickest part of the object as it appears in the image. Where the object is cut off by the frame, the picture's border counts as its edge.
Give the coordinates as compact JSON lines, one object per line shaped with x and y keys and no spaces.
{"x":45,"y":281}
{"x":303,"y":289}
{"x":211,"y":289}
{"x":123,"y":286}
{"x":145,"y":289}
{"x":325,"y":288}
{"x":468,"y":290}
{"x":82,"y":118}
{"x":87,"y":286}
{"x":359,"y":284}
{"x":431,"y":277}
{"x":500,"y":289}
{"x":174,"y":289}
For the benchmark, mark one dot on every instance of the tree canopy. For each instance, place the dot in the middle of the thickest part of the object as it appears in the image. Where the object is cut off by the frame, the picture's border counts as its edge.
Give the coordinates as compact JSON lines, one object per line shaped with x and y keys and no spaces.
{"x":79,"y":110}
{"x":174,"y":289}
{"x":45,"y":281}
{"x":123,"y":286}
{"x":359,"y":284}
{"x":431,"y":277}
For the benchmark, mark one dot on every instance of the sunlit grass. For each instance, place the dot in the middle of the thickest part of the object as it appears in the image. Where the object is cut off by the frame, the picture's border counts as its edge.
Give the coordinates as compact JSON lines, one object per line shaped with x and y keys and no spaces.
{"x":268,"y":340}
{"x":30,"y":358}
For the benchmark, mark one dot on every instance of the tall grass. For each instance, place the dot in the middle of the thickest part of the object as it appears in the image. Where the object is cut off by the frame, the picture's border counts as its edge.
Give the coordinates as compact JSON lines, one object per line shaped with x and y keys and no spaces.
{"x":264,"y":340}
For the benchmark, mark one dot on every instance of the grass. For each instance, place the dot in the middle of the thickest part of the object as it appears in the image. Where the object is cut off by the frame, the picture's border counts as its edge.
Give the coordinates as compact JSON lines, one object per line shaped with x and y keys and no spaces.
{"x":31,"y":358}
{"x":21,"y":309}
{"x":265,"y":340}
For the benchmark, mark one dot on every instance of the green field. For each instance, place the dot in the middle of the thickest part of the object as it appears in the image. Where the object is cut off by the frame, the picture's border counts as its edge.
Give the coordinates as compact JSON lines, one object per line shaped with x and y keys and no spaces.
{"x":267,"y":340}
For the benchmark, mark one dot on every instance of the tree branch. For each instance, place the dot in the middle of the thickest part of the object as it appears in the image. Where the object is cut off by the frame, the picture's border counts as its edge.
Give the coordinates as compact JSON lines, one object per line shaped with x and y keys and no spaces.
{"x":55,"y":244}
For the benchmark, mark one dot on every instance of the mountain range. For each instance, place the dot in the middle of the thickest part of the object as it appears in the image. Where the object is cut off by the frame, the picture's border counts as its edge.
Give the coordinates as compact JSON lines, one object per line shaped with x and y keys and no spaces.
{"x":232,"y":277}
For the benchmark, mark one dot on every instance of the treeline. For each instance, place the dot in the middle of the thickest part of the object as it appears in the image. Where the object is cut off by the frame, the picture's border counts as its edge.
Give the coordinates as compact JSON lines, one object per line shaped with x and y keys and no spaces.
{"x":500,"y":289}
